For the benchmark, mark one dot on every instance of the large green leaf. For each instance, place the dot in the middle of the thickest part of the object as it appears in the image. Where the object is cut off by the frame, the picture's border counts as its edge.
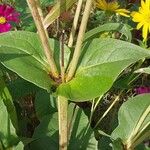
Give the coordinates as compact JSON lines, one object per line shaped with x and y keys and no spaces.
{"x":101,"y":63}
{"x":134,"y":121}
{"x":22,"y":53}
{"x":60,"y":7}
{"x":82,"y":136}
{"x":46,"y":134}
{"x":107,"y":28}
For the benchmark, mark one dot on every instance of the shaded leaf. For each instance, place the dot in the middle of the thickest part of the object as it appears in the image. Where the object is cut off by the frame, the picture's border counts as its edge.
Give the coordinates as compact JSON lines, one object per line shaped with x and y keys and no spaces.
{"x":43,"y":104}
{"x":7,"y":99}
{"x":8,"y":135}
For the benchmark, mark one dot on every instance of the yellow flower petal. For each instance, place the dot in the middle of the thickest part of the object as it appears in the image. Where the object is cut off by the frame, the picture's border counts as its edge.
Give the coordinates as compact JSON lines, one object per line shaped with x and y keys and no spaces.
{"x":123,"y":10}
{"x":112,"y":7}
{"x":142,"y":17}
{"x":137,"y":17}
{"x":101,"y":4}
{"x":145,"y":31}
{"x":140,"y":25}
{"x":123,"y":14}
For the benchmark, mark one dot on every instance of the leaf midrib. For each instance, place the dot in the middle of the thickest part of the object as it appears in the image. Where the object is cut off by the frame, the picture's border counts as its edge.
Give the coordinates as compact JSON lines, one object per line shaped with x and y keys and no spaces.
{"x":81,"y":69}
{"x":36,"y":58}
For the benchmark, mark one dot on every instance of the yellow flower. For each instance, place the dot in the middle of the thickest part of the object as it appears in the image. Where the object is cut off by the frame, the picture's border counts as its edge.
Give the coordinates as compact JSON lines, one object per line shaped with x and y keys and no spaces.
{"x":142,"y":17}
{"x":112,"y":6}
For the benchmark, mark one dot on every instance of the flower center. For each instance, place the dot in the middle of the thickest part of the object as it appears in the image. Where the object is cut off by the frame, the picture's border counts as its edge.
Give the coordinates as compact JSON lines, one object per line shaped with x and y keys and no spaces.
{"x":2,"y":20}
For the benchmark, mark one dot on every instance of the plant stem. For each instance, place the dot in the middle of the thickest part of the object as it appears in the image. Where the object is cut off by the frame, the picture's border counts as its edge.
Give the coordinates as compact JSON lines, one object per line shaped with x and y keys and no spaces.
{"x":75,"y":22}
{"x":109,"y":108}
{"x":82,"y":30}
{"x":93,"y":108}
{"x":39,"y":9}
{"x":63,"y":122}
{"x":43,"y":36}
{"x":62,"y":65}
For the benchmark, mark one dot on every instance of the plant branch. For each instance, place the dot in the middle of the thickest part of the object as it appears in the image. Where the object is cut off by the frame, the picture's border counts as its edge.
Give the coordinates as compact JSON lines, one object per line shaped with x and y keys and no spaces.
{"x":75,"y":23}
{"x":43,"y":36}
{"x":63,"y":122}
{"x":82,"y":30}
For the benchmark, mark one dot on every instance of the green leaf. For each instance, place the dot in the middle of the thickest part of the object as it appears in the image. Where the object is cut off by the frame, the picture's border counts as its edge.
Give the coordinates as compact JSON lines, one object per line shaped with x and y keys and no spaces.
{"x":134,"y":121}
{"x":20,"y":88}
{"x":7,"y":99}
{"x":60,"y":7}
{"x":46,"y":134}
{"x":20,"y":146}
{"x":8,"y":135}
{"x":101,"y":63}
{"x":142,"y":146}
{"x":109,"y":27}
{"x":43,"y":104}
{"x":45,"y":3}
{"x":22,"y":53}
{"x":117,"y":145}
{"x":82,"y":136}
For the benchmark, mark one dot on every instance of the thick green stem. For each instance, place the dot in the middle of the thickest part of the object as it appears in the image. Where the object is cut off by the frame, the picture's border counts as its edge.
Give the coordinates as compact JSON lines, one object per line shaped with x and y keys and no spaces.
{"x":80,"y":38}
{"x":63,"y":122}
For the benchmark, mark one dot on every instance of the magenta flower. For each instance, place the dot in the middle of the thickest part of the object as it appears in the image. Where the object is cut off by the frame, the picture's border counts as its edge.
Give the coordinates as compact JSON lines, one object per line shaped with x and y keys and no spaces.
{"x":7,"y":15}
{"x":142,"y":90}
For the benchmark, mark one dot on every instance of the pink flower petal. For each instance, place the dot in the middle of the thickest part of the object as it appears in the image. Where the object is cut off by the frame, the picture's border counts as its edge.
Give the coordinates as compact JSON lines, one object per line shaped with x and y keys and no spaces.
{"x":5,"y":27}
{"x":13,"y":17}
{"x":8,"y":10}
{"x":9,"y":13}
{"x":142,"y":90}
{"x":2,"y":9}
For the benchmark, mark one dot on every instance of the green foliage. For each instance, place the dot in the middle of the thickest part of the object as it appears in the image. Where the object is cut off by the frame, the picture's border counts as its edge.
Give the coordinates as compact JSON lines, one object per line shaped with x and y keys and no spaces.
{"x":29,"y":92}
{"x":101,"y":63}
{"x":7,"y":100}
{"x":45,"y":3}
{"x":22,"y":53}
{"x":44,"y":104}
{"x":8,"y":137}
{"x":81,"y":138}
{"x":123,"y":29}
{"x":134,"y":121}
